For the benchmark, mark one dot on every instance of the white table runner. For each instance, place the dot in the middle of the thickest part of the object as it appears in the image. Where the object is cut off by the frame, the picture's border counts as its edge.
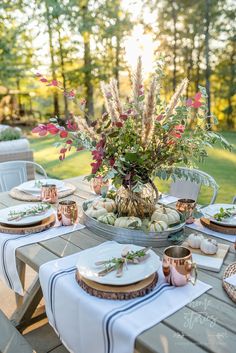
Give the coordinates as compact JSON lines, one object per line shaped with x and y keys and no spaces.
{"x":87,"y":324}
{"x":197,"y":225}
{"x":9,"y":243}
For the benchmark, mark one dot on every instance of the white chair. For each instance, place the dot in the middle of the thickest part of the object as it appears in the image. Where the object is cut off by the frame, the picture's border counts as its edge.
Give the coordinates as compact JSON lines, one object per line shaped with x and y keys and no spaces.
{"x":14,"y":173}
{"x":185,"y":188}
{"x":234,"y":199}
{"x":186,"y":183}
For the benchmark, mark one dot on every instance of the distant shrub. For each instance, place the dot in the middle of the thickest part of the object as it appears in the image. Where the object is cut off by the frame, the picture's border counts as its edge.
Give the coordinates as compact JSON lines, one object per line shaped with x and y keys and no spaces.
{"x":10,"y":134}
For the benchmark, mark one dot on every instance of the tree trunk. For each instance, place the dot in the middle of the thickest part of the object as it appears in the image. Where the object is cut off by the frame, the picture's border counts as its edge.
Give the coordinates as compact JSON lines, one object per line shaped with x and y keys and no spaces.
{"x":117,"y":60}
{"x":174,"y":17}
{"x":87,"y":62}
{"x":53,"y":66}
{"x":63,"y":71}
{"x":207,"y":59}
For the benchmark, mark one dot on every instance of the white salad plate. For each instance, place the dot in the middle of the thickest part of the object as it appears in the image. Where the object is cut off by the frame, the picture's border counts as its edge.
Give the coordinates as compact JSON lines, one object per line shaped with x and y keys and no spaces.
{"x":211,"y":210}
{"x":34,"y":186}
{"x":26,"y":221}
{"x":132,"y":274}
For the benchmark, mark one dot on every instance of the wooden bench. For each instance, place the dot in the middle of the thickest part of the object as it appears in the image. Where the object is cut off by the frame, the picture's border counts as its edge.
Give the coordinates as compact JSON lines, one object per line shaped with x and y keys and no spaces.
{"x":11,"y":341}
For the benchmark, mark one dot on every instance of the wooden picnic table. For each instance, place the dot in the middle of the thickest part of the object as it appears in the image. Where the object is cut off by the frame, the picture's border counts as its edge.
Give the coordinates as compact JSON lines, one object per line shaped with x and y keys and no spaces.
{"x":208,"y":324}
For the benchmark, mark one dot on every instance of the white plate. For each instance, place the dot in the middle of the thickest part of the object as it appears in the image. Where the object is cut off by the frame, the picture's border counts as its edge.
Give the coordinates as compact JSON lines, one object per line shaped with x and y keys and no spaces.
{"x":211,"y":210}
{"x":135,"y":273}
{"x":4,"y":215}
{"x":35,"y":185}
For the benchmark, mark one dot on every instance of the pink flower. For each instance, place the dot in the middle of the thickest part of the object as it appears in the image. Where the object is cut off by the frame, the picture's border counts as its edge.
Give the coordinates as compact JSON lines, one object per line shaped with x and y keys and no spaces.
{"x":63,"y":134}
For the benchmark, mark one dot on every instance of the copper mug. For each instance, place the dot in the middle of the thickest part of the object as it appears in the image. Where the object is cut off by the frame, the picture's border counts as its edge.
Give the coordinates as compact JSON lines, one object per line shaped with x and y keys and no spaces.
{"x":99,"y":186}
{"x":177,"y":266}
{"x":49,"y":193}
{"x":67,"y":212}
{"x":186,"y":207}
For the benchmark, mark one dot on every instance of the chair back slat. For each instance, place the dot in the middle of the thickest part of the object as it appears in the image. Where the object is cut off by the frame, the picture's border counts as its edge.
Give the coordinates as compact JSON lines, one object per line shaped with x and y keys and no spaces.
{"x":185,"y":189}
{"x":17,"y":172}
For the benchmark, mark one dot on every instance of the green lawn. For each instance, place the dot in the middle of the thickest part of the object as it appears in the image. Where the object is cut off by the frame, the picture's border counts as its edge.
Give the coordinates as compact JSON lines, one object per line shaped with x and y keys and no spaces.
{"x":221,"y":165}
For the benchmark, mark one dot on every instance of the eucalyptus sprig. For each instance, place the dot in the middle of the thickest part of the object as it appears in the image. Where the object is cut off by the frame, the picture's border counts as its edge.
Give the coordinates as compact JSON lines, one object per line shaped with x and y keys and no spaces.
{"x":224,"y":213}
{"x":116,"y":263}
{"x":33,"y":211}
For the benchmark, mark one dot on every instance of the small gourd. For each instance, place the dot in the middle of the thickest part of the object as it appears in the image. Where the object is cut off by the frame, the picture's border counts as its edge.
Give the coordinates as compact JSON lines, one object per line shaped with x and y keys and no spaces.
{"x":158,"y":215}
{"x":209,"y":246}
{"x":108,"y":218}
{"x":128,"y":222}
{"x":157,"y":226}
{"x":194,"y":240}
{"x":96,"y":212}
{"x":106,"y":203}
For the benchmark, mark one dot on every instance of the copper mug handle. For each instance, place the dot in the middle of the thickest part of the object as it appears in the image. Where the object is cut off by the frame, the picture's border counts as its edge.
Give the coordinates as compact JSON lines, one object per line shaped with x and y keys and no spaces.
{"x":191,"y":267}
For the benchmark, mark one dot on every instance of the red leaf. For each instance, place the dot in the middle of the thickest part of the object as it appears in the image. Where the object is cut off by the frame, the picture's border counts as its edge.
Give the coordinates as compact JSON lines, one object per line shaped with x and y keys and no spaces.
{"x":160,"y":117}
{"x":124,"y":117}
{"x":180,"y":128}
{"x":42,"y":133}
{"x":198,"y":96}
{"x":63,"y":150}
{"x":43,"y":79}
{"x":197,"y":104}
{"x":54,"y":83}
{"x":69,"y":142}
{"x":63,"y":134}
{"x":38,"y":74}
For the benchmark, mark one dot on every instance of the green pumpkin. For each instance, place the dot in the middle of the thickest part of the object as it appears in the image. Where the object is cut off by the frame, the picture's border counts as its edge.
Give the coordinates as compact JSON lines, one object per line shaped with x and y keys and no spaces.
{"x":108,"y":218}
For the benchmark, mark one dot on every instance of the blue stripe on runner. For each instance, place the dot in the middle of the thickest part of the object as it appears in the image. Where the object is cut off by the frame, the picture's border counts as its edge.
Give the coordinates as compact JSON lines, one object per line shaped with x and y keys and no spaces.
{"x":131,"y":309}
{"x":126,"y":307}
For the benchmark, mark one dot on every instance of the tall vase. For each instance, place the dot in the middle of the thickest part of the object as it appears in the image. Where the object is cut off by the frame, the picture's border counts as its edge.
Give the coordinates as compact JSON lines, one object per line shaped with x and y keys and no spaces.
{"x":139,"y":204}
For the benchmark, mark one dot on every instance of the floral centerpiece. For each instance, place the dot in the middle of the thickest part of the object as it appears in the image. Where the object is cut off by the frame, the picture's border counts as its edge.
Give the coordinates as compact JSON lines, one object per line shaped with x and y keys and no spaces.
{"x":138,"y":139}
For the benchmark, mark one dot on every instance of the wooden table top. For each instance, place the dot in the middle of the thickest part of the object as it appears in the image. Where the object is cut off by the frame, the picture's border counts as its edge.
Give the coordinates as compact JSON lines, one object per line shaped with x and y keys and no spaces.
{"x":208,"y":324}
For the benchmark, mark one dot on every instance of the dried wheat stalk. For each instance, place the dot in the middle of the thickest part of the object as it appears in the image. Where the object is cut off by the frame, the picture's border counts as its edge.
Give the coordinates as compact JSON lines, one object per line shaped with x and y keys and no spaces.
{"x":115,"y":97}
{"x":83,"y":126}
{"x":148,"y":115}
{"x":137,"y":81}
{"x":108,"y":102}
{"x":174,"y":102}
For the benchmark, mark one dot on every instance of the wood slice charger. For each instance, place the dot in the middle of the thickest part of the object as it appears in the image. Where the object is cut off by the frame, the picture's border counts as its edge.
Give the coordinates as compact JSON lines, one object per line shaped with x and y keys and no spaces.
{"x":230,"y":230}
{"x":131,"y":291}
{"x":35,"y":228}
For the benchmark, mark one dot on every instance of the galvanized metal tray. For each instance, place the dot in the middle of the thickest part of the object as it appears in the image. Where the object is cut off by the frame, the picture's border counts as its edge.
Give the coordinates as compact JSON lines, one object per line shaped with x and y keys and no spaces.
{"x":133,"y":236}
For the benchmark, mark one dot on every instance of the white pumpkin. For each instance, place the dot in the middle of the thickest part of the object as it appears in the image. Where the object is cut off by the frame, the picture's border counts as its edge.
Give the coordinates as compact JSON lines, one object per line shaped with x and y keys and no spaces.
{"x":159,"y":216}
{"x":174,"y":213}
{"x":128,"y":222}
{"x":106,"y":203}
{"x":108,"y":218}
{"x":209,"y":246}
{"x":96,"y":212}
{"x":194,"y":240}
{"x":157,"y":226}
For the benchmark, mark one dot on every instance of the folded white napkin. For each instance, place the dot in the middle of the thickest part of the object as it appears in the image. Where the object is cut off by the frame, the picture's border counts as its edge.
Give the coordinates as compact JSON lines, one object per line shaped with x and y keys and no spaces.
{"x":197,"y":225}
{"x":231,"y":280}
{"x":9,"y":243}
{"x":38,"y":192}
{"x":87,"y":324}
{"x":167,"y":199}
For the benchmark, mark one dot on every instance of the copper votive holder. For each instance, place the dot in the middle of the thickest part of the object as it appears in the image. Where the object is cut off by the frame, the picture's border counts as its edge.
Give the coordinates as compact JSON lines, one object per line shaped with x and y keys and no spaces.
{"x":186,"y":207}
{"x":67,"y":212}
{"x":49,"y":193}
